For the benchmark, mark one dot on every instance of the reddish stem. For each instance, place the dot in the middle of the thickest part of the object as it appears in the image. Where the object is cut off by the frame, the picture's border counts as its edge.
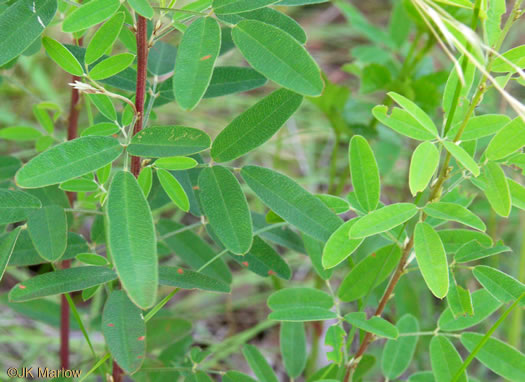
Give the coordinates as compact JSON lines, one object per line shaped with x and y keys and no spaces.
{"x":118,"y":374}
{"x":72,"y":133}
{"x":142,"y":62}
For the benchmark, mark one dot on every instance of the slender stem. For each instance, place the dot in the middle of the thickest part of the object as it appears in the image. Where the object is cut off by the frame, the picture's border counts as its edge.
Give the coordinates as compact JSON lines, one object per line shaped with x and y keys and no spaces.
{"x":486,"y":337}
{"x":72,"y":133}
{"x":142,"y":62}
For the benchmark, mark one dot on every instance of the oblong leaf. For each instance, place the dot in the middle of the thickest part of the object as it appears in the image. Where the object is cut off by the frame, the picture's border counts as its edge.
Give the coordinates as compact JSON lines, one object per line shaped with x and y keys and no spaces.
{"x":415,"y":112}
{"x":232,"y":79}
{"x":278,"y":56}
{"x":497,"y":189}
{"x":484,"y":305}
{"x":92,"y":259}
{"x":339,"y":247}
{"x":500,"y":285}
{"x":103,"y":129}
{"x":104,"y":38}
{"x":498,"y":356}
{"x":255,"y":126}
{"x":186,"y":279}
{"x":263,"y":260}
{"x":89,"y":14}
{"x":225,"y":206}
{"x":375,"y":325}
{"x":462,"y":157}
{"x":383,"y":219}
{"x":16,"y":206}
{"x":364,"y":172}
{"x":423,"y":165}
{"x":131,"y":239}
{"x":454,"y":212}
{"x":454,"y":239}
{"x":21,"y":24}
{"x":432,"y":259}
{"x":445,"y":360}
{"x":174,"y":190}
{"x":168,"y":141}
{"x":402,"y":122}
{"x":124,"y":330}
{"x":59,"y":282}
{"x":508,"y":140}
{"x":292,"y":338}
{"x":67,"y":161}
{"x":365,"y":275}
{"x":111,"y":66}
{"x":480,"y":126}
{"x":300,"y":304}
{"x":398,"y":353}
{"x":62,"y":56}
{"x":196,"y":57}
{"x":292,"y":202}
{"x":258,"y":364}
{"x":47,"y":228}
{"x":176,"y":163}
{"x":517,"y":194}
{"x":142,"y":7}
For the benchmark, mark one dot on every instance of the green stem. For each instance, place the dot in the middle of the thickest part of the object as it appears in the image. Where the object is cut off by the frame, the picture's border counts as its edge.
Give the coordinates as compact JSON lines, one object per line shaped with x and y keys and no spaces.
{"x":485,"y":338}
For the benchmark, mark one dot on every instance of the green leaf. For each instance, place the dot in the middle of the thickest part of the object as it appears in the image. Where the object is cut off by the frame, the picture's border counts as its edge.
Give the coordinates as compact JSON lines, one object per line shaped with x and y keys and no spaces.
{"x":92,"y":259}
{"x":59,"y":282}
{"x":498,"y":356}
{"x":472,"y":251}
{"x":161,"y":58}
{"x":514,"y":55}
{"x":402,"y":122}
{"x":497,"y":189}
{"x":369,"y":273}
{"x":272,"y":17}
{"x":445,"y":359}
{"x":335,"y":203}
{"x":415,"y":112}
{"x":500,"y":285}
{"x":103,"y":129}
{"x":186,"y":279}
{"x":258,"y":364}
{"x":47,"y":228}
{"x":454,"y":212}
{"x":20,"y":133}
{"x":111,"y":66}
{"x":278,"y":56}
{"x":339,"y":247}
{"x":383,"y":219}
{"x":300,"y":304}
{"x":124,"y":330}
{"x":7,"y":245}
{"x":21,"y":24}
{"x":79,"y":185}
{"x":225,"y":206}
{"x":292,"y":339}
{"x":432,"y":259}
{"x":168,"y":141}
{"x":89,"y":14}
{"x":291,"y":3}
{"x":480,"y":126}
{"x":255,"y":126}
{"x":8,"y":166}
{"x":397,"y":354}
{"x":196,"y":57}
{"x":104,"y":38}
{"x":423,"y":165}
{"x":462,"y":157}
{"x":142,"y":7}
{"x":174,"y":190}
{"x":131,"y":239}
{"x":314,"y":250}
{"x":292,"y":202}
{"x":236,"y":376}
{"x":364,"y":172}
{"x":335,"y":338}
{"x":484,"y":305}
{"x":263,"y":260}
{"x":62,"y":56}
{"x":517,"y":194}
{"x":375,"y":325}
{"x":225,"y":7}
{"x":176,"y":163}
{"x":103,"y":103}
{"x":16,"y":206}
{"x":231,"y":79}
{"x":67,"y":161}
{"x":454,"y":239}
{"x":508,"y":140}
{"x":145,"y":180}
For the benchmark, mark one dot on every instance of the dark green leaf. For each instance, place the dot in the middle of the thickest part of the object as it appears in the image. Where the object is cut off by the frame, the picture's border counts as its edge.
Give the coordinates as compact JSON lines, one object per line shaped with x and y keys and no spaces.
{"x":16,"y":206}
{"x":375,"y":324}
{"x":292,"y":339}
{"x":7,"y":245}
{"x":397,"y":354}
{"x":445,"y":359}
{"x":47,"y":228}
{"x":186,"y":279}
{"x":225,"y":7}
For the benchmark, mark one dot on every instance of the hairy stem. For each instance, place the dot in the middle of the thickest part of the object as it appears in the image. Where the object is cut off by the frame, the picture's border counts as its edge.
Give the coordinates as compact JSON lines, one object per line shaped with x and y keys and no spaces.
{"x":142,"y":62}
